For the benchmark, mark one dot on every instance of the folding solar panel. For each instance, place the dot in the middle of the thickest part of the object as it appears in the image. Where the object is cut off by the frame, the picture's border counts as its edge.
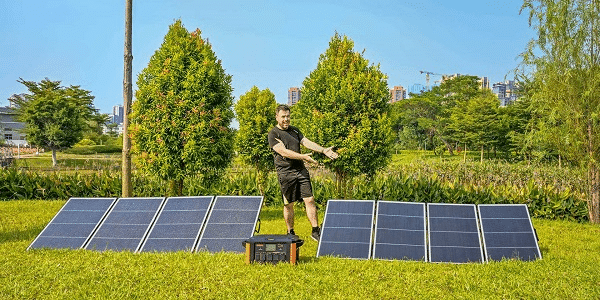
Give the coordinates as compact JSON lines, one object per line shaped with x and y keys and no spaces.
{"x":178,"y":224}
{"x":126,"y":225}
{"x":231,"y":221}
{"x":73,"y":224}
{"x":453,"y":233}
{"x":400,"y":231}
{"x":347,"y":229}
{"x":508,"y":232}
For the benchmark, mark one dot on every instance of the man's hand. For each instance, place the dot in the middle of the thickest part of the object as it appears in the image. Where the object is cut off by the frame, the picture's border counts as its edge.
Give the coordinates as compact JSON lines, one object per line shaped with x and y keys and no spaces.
{"x":330,"y":153}
{"x":306,"y":157}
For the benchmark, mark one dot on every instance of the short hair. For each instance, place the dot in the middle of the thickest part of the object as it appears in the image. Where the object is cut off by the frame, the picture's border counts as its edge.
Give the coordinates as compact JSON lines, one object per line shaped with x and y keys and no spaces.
{"x":282,"y":107}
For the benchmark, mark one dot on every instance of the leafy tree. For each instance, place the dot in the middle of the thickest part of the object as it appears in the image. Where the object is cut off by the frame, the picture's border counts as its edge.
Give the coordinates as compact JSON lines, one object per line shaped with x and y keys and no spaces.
{"x":345,"y":104}
{"x":563,"y":64}
{"x":255,"y":112}
{"x":475,"y":122}
{"x":180,"y":121}
{"x":430,"y":112}
{"x":55,"y":117}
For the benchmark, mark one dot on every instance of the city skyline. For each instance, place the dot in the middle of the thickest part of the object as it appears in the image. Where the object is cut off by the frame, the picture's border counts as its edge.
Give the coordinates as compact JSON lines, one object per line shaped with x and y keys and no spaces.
{"x":81,"y":43}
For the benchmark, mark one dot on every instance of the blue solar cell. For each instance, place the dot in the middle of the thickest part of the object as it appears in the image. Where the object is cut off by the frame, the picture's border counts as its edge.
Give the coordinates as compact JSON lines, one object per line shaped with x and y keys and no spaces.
{"x":126,"y":225}
{"x":400,"y":231}
{"x":72,"y":226}
{"x":231,"y":221}
{"x":178,"y":225}
{"x":508,"y":232}
{"x":347,"y":229}
{"x":453,"y":233}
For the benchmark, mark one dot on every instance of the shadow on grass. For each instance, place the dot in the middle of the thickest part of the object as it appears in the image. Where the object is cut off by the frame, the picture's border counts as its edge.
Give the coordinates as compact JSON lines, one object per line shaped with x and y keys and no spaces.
{"x":20,"y":235}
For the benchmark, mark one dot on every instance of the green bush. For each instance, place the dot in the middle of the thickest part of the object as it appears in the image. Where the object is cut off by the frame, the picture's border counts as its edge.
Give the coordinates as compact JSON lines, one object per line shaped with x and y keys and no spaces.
{"x":93,"y":149}
{"x":544,"y":202}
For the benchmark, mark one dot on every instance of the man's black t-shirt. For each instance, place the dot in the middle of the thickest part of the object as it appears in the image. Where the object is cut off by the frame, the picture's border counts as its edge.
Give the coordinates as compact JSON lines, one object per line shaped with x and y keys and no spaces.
{"x":291,"y":139}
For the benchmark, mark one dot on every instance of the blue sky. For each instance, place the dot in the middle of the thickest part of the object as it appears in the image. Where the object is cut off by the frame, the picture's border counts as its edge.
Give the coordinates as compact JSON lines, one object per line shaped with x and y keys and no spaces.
{"x":270,"y":44}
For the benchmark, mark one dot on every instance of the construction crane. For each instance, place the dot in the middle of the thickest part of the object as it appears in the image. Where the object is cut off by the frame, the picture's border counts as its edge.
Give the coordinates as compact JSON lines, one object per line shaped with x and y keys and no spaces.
{"x":427,"y":73}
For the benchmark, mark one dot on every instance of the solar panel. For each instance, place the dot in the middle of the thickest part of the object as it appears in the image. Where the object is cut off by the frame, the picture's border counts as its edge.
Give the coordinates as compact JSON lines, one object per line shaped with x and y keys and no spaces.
{"x":400,"y":231}
{"x":508,"y":232}
{"x":347,"y":229}
{"x":453,"y":233}
{"x":126,"y":225}
{"x":73,"y":224}
{"x":178,"y":224}
{"x":231,"y":221}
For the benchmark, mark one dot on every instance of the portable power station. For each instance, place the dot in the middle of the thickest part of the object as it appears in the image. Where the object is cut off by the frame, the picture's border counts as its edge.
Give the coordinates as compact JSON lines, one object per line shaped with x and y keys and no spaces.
{"x":273,"y":248}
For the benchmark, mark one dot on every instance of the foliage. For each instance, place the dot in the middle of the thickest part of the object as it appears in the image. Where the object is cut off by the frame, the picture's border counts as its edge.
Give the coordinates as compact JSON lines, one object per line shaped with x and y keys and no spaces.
{"x":255,"y":111}
{"x":55,"y":117}
{"x":563,"y":67}
{"x":344,"y":104}
{"x":180,"y":120}
{"x":543,"y":199}
{"x":568,"y":269}
{"x":430,"y":113}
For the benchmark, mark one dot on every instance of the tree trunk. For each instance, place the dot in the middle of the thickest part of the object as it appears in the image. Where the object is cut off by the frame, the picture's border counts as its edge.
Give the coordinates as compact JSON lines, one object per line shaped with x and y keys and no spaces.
{"x":481,"y":154}
{"x":54,"y":158}
{"x":175,"y":187}
{"x":261,"y":180}
{"x":465,"y":153}
{"x":126,"y":189}
{"x":593,"y":180}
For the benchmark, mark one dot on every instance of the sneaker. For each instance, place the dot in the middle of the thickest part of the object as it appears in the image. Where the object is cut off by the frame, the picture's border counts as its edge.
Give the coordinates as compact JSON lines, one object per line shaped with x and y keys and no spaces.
{"x":291,"y":232}
{"x":316,"y":234}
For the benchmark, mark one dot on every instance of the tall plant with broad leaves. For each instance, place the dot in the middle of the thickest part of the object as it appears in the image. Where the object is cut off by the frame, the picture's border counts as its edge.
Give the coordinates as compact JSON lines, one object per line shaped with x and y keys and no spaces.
{"x":180,"y":120}
{"x":255,"y":111}
{"x":563,"y":65}
{"x":345,"y":104}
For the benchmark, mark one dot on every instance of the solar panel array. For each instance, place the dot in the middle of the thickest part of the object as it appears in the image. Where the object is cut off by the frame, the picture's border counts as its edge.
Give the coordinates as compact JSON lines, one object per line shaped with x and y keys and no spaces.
{"x":152,"y":224}
{"x":457,"y":233}
{"x":434,"y":232}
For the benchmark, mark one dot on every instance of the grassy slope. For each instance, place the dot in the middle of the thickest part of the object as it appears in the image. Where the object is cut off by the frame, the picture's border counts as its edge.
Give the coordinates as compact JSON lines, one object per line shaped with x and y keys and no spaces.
{"x":568,"y":270}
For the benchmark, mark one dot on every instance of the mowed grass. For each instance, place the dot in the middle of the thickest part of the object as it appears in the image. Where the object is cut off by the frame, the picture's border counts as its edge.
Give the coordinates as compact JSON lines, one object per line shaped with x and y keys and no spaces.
{"x":569,"y":269}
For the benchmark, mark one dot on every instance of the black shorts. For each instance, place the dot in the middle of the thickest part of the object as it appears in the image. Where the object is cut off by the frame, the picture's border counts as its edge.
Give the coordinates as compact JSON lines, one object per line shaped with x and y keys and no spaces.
{"x":295,"y":185}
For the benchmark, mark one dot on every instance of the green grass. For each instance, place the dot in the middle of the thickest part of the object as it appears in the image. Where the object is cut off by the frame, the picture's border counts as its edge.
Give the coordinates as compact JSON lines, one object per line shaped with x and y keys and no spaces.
{"x":569,"y":269}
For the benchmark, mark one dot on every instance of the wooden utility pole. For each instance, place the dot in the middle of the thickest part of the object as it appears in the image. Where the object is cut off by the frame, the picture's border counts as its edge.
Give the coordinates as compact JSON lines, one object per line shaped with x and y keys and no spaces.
{"x":127,"y":99}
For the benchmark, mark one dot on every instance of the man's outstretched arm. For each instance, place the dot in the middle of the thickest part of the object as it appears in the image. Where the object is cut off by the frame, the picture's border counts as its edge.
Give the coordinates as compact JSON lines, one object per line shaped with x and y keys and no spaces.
{"x":317,"y":148}
{"x":287,"y":153}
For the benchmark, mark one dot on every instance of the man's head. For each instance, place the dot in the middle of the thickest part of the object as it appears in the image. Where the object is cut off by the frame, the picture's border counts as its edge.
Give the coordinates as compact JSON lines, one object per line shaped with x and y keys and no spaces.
{"x":282,"y":115}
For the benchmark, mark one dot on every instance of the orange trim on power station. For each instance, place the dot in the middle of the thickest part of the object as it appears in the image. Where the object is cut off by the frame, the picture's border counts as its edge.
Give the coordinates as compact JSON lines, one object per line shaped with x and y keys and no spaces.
{"x":247,"y":253}
{"x":293,"y":253}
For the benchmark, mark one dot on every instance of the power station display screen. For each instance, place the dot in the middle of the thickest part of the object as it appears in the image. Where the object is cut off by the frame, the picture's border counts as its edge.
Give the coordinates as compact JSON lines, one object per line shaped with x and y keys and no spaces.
{"x":270,"y":247}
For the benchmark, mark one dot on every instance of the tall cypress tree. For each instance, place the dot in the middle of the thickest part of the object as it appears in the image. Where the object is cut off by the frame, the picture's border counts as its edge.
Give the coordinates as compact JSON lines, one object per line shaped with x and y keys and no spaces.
{"x":345,"y":104}
{"x":183,"y":109}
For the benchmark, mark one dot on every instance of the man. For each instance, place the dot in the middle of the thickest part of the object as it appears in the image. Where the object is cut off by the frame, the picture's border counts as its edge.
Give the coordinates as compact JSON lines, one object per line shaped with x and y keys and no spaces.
{"x":293,"y":176}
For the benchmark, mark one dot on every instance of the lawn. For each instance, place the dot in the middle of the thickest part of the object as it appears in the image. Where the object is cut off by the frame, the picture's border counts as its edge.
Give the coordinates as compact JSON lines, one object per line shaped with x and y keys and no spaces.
{"x":569,"y":269}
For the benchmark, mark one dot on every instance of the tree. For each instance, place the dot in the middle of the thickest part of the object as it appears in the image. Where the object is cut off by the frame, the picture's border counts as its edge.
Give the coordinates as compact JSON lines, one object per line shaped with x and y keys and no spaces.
{"x":255,"y":112}
{"x":563,"y":63}
{"x":126,"y":188}
{"x":180,"y":120}
{"x":430,"y":112}
{"x":55,"y":117}
{"x":345,"y":104}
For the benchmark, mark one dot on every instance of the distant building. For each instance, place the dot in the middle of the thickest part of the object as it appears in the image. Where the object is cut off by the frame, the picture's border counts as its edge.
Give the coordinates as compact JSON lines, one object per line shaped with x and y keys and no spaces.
{"x":398,"y":93}
{"x":484,"y":83}
{"x":117,"y":115}
{"x":416,"y":88}
{"x":10,"y":129}
{"x":294,"y":95}
{"x":506,"y":92}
